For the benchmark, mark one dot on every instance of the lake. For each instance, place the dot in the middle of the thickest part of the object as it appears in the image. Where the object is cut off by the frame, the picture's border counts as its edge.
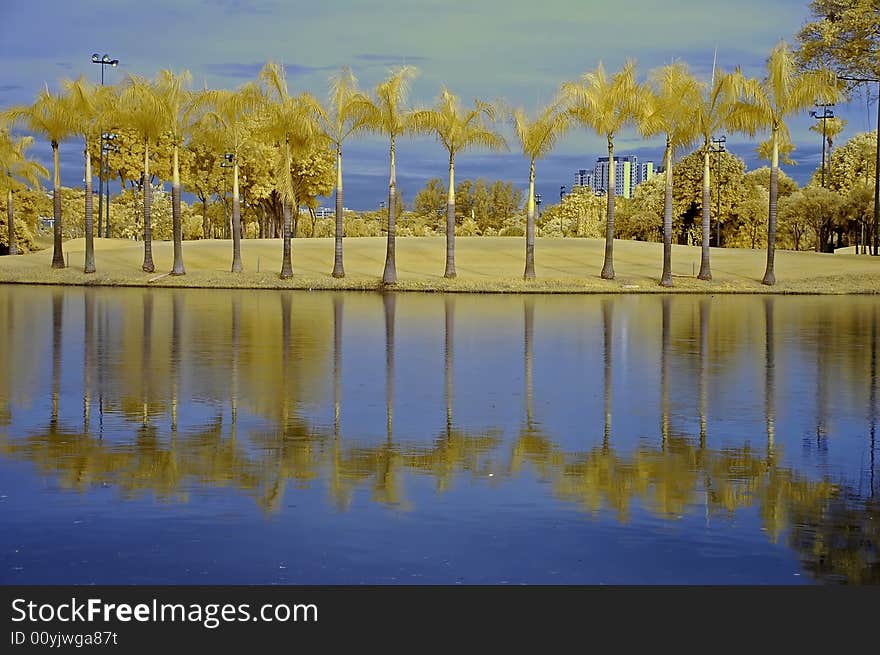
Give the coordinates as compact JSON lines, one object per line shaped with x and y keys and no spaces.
{"x":257,"y":437}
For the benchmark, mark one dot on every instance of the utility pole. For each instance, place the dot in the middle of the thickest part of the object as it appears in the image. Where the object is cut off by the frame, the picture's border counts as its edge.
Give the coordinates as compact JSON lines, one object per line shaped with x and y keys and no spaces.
{"x":877,"y":160}
{"x":824,"y":116}
{"x":718,"y":146}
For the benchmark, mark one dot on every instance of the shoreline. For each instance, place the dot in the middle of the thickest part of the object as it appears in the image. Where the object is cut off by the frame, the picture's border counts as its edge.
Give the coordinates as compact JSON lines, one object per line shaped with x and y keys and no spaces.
{"x":486,"y":265}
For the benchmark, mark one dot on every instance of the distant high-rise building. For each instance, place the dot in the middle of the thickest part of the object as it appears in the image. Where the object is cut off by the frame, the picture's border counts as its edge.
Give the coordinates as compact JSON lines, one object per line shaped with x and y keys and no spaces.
{"x":628,"y":173}
{"x":583,"y":177}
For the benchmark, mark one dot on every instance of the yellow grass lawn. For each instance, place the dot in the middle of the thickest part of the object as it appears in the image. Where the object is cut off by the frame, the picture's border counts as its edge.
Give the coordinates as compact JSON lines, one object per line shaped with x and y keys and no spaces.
{"x":484,"y":264}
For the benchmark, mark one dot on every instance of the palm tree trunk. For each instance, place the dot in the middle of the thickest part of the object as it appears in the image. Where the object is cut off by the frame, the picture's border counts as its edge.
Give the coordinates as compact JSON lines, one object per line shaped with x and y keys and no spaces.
{"x":705,"y":270}
{"x":338,"y":268}
{"x":286,"y":265}
{"x":450,"y":221}
{"x":236,"y":221}
{"x":148,"y":266}
{"x":769,"y":274}
{"x":666,"y":279}
{"x":89,"y":266}
{"x":529,"y":273}
{"x":10,"y":217}
{"x":389,"y":276}
{"x":176,"y":227}
{"x":57,"y":254}
{"x":608,"y":266}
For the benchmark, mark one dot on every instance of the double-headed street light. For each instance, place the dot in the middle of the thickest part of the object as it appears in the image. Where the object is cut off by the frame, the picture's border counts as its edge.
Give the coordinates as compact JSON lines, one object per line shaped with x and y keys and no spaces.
{"x":718,"y":146}
{"x":104,"y":61}
{"x":877,"y":161}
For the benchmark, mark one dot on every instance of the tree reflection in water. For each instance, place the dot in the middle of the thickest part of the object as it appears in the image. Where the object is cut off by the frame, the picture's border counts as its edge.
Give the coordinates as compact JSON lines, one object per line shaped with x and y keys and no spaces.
{"x":271,"y":362}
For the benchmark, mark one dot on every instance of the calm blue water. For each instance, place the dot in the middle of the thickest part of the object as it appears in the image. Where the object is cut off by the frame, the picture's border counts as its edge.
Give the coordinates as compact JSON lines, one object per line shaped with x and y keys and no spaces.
{"x":159,"y":436}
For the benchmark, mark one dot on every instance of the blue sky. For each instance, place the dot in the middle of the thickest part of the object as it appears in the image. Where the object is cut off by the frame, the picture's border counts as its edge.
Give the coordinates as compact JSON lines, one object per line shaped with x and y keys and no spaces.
{"x":515,"y":50}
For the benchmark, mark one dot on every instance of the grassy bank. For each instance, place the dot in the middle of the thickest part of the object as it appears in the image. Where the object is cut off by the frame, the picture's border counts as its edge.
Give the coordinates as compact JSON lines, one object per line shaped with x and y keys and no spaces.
{"x":484,"y":264}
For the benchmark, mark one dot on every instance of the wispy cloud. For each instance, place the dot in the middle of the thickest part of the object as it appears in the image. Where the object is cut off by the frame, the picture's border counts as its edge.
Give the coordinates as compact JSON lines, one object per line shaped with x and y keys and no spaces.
{"x":250,"y":7}
{"x":390,"y":60}
{"x":240,"y":70}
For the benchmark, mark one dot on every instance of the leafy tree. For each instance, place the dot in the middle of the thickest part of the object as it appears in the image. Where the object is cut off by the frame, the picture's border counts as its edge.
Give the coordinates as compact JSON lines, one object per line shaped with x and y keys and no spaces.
{"x":676,"y":92}
{"x":640,"y":216}
{"x":765,"y":105}
{"x":457,"y":129}
{"x":537,"y":136}
{"x":387,"y":114}
{"x":607,"y":105}
{"x":16,"y":171}
{"x":821,"y":207}
{"x":785,"y":186}
{"x":857,"y":211}
{"x":793,"y":220}
{"x":751,"y":216}
{"x":578,"y":214}
{"x":201,"y":173}
{"x":313,"y":176}
{"x":843,"y":37}
{"x":853,"y":164}
{"x":54,"y":117}
{"x":430,"y":199}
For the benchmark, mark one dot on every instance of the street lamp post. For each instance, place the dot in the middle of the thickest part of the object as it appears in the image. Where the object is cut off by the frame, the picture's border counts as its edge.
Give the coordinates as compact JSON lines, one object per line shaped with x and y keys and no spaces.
{"x":718,"y":146}
{"x":824,"y":116}
{"x":107,"y":145}
{"x":103,"y":62}
{"x":877,"y":160}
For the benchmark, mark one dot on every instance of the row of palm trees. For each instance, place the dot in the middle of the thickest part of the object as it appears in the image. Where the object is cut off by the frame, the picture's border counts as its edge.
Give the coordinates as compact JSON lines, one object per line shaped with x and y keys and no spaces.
{"x":672,"y":103}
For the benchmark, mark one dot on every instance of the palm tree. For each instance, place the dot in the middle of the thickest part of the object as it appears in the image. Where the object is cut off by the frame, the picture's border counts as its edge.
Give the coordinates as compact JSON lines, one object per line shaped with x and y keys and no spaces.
{"x":290,"y":122}
{"x":386,"y":114}
{"x":16,"y":168}
{"x":86,"y":99}
{"x":676,"y":93}
{"x":342,"y":119}
{"x":232,"y":111}
{"x":537,"y":137}
{"x":141,"y":109}
{"x":457,"y":130}
{"x":175,"y":100}
{"x":606,"y":105}
{"x":711,"y":114}
{"x":764,"y":105}
{"x":53,"y":116}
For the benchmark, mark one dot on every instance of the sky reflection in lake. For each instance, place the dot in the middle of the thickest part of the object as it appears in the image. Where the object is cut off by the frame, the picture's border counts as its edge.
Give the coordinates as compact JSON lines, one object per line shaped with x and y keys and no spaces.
{"x":159,"y":436}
